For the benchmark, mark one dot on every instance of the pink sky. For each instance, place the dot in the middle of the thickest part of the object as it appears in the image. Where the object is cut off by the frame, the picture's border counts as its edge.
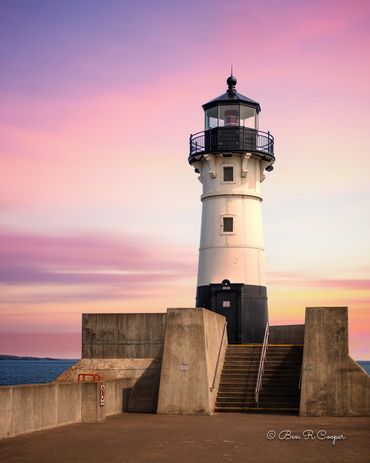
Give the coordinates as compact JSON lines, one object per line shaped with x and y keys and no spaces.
{"x":99,"y":210}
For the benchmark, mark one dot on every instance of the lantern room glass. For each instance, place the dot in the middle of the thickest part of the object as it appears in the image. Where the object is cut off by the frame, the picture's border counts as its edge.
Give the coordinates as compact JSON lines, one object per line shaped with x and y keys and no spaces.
{"x":228,"y":115}
{"x":248,"y":117}
{"x":212,"y":118}
{"x":231,"y":116}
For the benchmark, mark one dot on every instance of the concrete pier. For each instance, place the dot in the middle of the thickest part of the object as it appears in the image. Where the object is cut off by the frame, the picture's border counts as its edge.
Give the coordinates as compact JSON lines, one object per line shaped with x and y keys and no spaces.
{"x":143,"y":438}
{"x":172,"y":363}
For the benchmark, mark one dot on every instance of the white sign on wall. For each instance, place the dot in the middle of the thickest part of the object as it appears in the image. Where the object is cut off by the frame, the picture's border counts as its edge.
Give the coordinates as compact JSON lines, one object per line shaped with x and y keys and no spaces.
{"x":102,"y":394}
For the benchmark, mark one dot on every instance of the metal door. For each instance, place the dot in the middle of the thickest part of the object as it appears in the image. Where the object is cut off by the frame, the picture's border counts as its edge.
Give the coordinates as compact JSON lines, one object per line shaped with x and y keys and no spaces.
{"x":226,"y":304}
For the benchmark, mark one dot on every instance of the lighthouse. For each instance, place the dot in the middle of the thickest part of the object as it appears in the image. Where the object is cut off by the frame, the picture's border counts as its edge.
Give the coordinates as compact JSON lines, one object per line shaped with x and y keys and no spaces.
{"x":231,"y":156}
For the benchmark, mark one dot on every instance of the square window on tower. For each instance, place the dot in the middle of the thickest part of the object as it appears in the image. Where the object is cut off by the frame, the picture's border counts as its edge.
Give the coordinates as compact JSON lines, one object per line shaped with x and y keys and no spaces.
{"x":228,"y":174}
{"x":227,"y":224}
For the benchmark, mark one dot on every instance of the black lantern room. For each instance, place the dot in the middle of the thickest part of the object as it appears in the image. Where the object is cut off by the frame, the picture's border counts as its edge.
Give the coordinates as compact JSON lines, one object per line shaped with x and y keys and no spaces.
{"x":231,"y":126}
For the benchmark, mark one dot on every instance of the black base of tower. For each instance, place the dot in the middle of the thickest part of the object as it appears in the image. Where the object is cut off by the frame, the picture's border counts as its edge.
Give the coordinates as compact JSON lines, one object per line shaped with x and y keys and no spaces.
{"x":244,"y":306}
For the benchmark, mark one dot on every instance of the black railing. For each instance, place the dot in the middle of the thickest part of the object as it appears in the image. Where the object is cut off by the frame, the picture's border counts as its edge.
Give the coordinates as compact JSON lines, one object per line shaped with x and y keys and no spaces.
{"x":232,"y":139}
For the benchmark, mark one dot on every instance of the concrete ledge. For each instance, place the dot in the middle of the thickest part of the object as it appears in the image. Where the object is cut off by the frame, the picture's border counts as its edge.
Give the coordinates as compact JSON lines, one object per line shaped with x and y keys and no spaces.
{"x":123,"y":335}
{"x":286,"y":334}
{"x":333,"y":384}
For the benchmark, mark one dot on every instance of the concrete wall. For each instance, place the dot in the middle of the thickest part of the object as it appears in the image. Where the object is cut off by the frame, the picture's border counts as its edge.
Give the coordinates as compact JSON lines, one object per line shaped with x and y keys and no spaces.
{"x":286,"y":334}
{"x":91,"y":408}
{"x":192,"y":343}
{"x":125,"y":347}
{"x":138,"y":378}
{"x":29,"y":408}
{"x":117,"y":392}
{"x":138,"y":335}
{"x":215,"y":333}
{"x":332,"y":383}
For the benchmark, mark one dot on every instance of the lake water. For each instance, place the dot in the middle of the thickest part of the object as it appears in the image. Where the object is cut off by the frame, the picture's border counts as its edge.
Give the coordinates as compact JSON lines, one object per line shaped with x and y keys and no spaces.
{"x":14,"y":372}
{"x":365,"y":364}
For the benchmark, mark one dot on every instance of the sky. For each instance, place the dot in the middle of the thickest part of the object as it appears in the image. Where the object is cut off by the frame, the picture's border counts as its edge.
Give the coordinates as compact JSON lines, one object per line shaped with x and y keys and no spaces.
{"x":99,"y":209}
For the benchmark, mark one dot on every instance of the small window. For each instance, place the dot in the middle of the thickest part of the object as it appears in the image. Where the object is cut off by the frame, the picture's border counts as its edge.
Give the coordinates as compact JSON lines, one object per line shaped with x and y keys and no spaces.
{"x":228,"y":174}
{"x":228,"y":225}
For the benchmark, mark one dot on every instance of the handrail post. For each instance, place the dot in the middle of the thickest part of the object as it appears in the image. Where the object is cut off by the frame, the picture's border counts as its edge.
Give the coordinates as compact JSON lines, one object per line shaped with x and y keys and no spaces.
{"x":262,"y":363}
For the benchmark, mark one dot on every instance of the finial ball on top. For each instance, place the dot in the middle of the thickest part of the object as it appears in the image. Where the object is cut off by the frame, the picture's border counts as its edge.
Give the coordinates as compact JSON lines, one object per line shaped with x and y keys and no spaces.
{"x":231,"y":81}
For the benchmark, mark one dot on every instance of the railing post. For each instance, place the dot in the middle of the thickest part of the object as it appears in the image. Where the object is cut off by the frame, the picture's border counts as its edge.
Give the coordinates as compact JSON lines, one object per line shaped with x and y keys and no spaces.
{"x":269,"y":142}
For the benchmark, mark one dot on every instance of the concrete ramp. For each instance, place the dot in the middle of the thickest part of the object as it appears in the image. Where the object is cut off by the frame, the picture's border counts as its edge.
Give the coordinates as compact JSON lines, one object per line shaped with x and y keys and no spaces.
{"x":111,"y":368}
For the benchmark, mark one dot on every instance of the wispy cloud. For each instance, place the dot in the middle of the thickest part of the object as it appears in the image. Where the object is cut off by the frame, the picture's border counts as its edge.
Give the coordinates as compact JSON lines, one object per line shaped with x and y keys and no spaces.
{"x":88,"y":251}
{"x":295,"y":280}
{"x":87,"y":266}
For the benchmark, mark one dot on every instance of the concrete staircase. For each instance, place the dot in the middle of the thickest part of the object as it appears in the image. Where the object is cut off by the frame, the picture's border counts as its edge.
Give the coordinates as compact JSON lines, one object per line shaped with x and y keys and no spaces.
{"x":279,"y":393}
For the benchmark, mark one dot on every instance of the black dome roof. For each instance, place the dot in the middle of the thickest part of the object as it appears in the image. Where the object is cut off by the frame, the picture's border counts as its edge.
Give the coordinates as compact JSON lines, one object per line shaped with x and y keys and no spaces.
{"x":232,"y":97}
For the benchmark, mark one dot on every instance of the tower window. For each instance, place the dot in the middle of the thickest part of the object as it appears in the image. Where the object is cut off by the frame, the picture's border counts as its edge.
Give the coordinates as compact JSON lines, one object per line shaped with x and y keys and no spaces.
{"x":228,"y":224}
{"x":228,"y":174}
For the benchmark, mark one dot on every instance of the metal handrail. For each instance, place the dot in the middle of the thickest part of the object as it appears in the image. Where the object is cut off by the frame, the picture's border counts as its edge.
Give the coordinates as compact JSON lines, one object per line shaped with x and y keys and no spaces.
{"x":94,"y":376}
{"x":262,"y":364}
{"x":218,"y":358}
{"x":300,"y":376}
{"x":249,"y":140}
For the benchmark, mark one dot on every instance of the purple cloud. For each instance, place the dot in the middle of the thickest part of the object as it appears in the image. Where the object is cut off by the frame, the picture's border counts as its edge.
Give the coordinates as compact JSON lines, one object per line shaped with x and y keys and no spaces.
{"x":297,"y":279}
{"x":30,"y":259}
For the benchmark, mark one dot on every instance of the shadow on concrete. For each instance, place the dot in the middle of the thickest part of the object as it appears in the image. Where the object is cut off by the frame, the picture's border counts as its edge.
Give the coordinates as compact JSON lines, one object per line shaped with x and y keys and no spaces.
{"x":143,"y":396}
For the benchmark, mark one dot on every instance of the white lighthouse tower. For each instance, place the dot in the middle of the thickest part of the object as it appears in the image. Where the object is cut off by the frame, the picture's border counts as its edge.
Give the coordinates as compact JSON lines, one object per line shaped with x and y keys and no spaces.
{"x":231,"y":156}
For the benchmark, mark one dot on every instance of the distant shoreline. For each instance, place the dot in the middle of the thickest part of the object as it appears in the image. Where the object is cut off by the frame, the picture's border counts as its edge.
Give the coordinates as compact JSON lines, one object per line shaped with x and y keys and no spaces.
{"x":17,"y":357}
{"x":26,"y":357}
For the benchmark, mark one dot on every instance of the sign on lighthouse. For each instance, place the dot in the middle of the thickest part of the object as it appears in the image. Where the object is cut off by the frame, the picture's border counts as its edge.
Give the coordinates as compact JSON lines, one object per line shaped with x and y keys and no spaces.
{"x":231,"y":156}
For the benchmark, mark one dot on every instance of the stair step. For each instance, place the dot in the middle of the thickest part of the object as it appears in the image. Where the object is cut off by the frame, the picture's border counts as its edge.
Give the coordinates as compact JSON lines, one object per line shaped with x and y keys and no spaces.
{"x":252,"y":403}
{"x":271,"y":383}
{"x":227,"y":400}
{"x":275,"y":359}
{"x":280,"y":400}
{"x":238,"y":361}
{"x":270,"y":358}
{"x":267,"y":370}
{"x":291,"y":383}
{"x":237,"y":382}
{"x":281,"y":381}
{"x":242,"y":358}
{"x":279,"y":393}
{"x":256,"y":410}
{"x":251,"y":392}
{"x":266,"y":374}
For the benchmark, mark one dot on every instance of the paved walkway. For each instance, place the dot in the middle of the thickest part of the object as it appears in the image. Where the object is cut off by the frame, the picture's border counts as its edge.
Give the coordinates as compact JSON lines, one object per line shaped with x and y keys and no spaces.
{"x":134,"y":438}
